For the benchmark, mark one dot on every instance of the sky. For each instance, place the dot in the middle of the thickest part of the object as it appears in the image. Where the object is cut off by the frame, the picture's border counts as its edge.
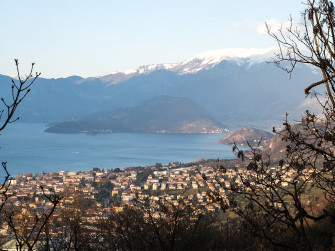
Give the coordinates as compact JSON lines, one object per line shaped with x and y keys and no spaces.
{"x":95,"y":37}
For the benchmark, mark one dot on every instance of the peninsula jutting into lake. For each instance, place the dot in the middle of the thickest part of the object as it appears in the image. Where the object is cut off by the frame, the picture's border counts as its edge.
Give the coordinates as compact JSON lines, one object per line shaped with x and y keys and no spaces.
{"x":158,"y":115}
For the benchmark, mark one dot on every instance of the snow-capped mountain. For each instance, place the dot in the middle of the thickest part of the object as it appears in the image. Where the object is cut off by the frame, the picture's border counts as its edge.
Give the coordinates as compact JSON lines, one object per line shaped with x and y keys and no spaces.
{"x":202,"y":61}
{"x":232,"y":85}
{"x":209,"y":59}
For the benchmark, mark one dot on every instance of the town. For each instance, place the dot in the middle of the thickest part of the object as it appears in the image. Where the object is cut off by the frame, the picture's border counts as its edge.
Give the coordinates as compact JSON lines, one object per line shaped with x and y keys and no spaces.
{"x":65,"y":200}
{"x":112,"y":188}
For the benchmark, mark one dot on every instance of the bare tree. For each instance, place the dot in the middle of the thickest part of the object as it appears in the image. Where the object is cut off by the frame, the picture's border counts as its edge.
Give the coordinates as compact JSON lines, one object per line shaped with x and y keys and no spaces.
{"x":19,"y":90}
{"x":27,"y":225}
{"x":310,"y":44}
{"x":75,"y":228}
{"x":157,"y":226}
{"x":286,"y":202}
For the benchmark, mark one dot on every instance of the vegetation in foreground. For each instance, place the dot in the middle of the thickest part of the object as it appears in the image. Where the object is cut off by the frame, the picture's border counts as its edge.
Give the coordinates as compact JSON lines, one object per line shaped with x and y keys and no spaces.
{"x":263,"y":205}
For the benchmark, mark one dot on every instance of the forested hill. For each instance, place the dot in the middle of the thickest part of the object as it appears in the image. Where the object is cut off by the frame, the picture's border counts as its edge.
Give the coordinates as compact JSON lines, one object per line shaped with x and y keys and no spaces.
{"x":163,"y":114}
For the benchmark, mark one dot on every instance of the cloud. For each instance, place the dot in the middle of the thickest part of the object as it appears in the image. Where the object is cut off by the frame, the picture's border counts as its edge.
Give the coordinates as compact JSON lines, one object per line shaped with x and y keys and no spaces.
{"x":276,"y":25}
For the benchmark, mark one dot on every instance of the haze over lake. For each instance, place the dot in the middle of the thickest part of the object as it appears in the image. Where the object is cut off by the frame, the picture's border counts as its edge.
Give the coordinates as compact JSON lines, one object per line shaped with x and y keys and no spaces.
{"x":27,"y":148}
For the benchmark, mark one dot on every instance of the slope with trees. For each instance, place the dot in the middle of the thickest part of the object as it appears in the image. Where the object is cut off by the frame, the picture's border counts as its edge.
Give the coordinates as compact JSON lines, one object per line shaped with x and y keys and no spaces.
{"x":289,"y":203}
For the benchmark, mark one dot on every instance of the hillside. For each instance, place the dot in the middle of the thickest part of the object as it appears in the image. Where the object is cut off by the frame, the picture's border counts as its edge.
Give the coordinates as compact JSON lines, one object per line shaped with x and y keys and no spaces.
{"x":159,"y":115}
{"x":276,"y":148}
{"x":250,"y":135}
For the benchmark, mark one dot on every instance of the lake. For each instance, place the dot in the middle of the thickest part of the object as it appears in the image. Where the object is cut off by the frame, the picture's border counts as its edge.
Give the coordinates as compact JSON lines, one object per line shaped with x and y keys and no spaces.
{"x":27,"y":148}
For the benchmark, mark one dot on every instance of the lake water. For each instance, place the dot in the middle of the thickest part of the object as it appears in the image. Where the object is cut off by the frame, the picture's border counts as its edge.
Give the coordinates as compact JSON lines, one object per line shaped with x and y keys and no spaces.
{"x":27,"y":148}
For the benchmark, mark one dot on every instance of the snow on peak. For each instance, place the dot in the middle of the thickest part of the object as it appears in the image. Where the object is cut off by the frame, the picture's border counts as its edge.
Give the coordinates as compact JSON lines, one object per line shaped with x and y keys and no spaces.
{"x":209,"y":59}
{"x":228,"y":53}
{"x":130,"y":72}
{"x":202,"y":61}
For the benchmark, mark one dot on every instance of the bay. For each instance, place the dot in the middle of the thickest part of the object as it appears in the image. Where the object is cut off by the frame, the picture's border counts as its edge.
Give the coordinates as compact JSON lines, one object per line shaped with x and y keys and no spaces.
{"x":28,"y":149}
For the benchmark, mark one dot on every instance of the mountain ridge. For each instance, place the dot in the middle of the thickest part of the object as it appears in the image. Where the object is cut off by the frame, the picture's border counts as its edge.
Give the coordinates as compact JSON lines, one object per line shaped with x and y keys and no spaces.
{"x":233,"y":90}
{"x":201,"y":61}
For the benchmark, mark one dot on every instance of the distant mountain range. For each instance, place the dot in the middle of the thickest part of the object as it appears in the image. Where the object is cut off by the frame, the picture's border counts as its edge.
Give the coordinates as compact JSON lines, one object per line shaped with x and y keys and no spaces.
{"x":231,"y":85}
{"x":163,"y":115}
{"x":200,"y":62}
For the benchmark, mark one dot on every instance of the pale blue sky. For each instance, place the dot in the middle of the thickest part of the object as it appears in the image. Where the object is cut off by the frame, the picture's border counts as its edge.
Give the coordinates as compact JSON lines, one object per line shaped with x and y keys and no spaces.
{"x":96,"y":37}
